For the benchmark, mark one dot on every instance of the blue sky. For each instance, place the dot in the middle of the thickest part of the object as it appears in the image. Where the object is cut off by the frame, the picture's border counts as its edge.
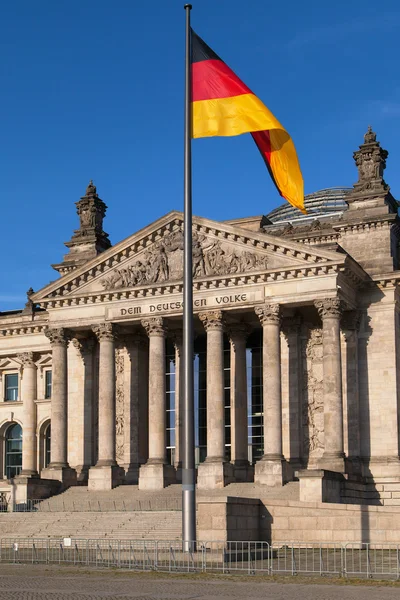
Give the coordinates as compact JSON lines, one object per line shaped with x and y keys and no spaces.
{"x":94,"y":90}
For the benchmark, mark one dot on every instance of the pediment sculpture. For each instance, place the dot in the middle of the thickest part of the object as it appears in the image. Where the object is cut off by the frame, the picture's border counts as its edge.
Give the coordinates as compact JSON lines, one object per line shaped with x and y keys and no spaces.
{"x":164,"y":262}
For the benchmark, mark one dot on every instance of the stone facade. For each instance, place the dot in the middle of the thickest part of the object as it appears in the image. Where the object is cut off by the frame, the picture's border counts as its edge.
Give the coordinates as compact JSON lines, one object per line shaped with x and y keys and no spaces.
{"x":317,"y":304}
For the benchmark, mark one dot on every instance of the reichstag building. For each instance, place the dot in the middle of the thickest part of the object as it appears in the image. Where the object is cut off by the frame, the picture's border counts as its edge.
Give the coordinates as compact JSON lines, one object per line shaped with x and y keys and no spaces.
{"x":296,"y":357}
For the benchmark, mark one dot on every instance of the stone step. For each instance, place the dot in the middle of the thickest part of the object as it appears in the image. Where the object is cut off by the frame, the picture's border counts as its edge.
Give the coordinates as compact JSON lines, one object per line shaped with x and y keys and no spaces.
{"x":158,"y":525}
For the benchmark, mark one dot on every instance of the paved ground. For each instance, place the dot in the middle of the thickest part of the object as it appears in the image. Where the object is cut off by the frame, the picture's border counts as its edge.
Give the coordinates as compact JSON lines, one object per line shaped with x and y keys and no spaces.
{"x":53,"y":583}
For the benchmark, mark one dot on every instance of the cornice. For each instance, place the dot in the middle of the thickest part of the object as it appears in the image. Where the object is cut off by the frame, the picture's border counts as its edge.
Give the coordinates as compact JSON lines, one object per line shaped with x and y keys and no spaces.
{"x":204,"y":284}
{"x":23,"y":330}
{"x":381,"y":222}
{"x":386,"y":280}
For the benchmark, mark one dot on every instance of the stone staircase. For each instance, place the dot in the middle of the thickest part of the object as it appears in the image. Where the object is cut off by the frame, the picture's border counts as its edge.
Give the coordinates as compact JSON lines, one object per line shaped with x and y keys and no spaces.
{"x":123,"y":513}
{"x":130,"y":498}
{"x":161,"y":525}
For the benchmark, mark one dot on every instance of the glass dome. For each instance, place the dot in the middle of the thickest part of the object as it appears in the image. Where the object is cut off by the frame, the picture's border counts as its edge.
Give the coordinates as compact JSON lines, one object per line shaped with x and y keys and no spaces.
{"x":323,"y":203}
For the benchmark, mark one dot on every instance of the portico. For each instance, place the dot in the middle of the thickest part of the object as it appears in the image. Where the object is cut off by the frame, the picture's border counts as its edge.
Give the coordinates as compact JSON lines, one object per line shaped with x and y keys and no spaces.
{"x":294,"y":327}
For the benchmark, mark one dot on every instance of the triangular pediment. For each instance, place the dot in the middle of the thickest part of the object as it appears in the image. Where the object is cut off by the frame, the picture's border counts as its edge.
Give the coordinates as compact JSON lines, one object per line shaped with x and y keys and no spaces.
{"x":153,"y":257}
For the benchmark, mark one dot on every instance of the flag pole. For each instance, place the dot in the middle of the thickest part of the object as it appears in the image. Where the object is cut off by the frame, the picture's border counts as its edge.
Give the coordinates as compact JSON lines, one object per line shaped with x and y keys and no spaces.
{"x":188,"y":459}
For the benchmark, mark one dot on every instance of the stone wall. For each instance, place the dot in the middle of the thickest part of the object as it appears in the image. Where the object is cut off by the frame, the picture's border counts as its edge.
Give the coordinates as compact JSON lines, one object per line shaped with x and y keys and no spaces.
{"x":317,"y":522}
{"x":224,"y":519}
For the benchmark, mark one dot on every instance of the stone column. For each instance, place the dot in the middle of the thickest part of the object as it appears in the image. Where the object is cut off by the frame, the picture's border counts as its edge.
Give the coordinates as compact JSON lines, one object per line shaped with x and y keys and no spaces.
{"x":350,"y":326}
{"x":238,"y":333}
{"x":215,"y":472}
{"x":291,"y":329}
{"x":59,"y":468}
{"x":269,"y":470}
{"x":134,"y":421}
{"x":106,"y":474}
{"x":178,"y":340}
{"x":156,"y":474}
{"x":80,"y":391}
{"x":28,"y":396}
{"x":330,"y":311}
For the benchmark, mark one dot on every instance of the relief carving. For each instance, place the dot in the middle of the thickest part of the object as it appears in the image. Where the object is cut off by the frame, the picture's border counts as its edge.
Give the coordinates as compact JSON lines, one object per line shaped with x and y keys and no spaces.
{"x":119,"y":405}
{"x":313,"y":407}
{"x":164,"y":262}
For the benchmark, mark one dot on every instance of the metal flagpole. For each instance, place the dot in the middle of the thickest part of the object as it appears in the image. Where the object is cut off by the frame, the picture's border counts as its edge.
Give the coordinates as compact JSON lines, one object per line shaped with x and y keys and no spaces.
{"x":188,"y":459}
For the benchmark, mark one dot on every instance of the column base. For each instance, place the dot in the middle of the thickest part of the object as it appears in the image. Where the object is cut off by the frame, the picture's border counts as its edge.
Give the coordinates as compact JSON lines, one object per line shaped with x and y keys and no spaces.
{"x":82,"y":474}
{"x":332,"y":462}
{"x":213,"y":475}
{"x":269,"y":471}
{"x":33,"y":488}
{"x":62,"y":473}
{"x":243,"y":471}
{"x":131,"y":473}
{"x":320,"y":485}
{"x":353,"y":466}
{"x":156,"y":476}
{"x":105,"y":477}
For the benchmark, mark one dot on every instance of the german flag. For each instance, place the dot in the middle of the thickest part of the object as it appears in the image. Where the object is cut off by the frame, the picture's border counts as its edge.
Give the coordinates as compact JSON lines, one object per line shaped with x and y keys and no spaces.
{"x":223,"y":106}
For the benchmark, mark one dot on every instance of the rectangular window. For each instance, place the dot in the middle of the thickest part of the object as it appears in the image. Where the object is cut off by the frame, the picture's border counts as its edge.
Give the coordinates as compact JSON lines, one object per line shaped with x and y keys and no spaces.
{"x":11,"y":387}
{"x":48,"y":382}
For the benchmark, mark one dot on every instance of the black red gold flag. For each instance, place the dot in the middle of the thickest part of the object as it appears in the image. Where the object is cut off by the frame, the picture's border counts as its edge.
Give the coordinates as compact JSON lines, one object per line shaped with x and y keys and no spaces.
{"x":222,"y":105}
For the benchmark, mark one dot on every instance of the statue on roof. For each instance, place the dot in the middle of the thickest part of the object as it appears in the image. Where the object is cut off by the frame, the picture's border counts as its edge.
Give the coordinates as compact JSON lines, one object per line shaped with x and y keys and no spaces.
{"x":370,"y":160}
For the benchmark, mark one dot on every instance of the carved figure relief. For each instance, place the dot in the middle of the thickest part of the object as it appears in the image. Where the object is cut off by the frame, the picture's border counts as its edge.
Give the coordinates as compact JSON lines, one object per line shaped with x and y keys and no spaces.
{"x":313,"y":405}
{"x":119,"y":405}
{"x":164,"y":262}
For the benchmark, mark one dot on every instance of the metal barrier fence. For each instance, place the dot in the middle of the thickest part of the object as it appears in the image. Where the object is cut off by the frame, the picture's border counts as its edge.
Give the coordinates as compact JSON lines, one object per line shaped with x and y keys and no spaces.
{"x":251,"y":558}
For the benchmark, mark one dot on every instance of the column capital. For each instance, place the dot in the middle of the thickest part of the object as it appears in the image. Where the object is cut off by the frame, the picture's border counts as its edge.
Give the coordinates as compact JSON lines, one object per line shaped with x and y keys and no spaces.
{"x":26,"y":360}
{"x":57,"y":336}
{"x":351,"y":320}
{"x":269,"y":313}
{"x":154,"y":326}
{"x":135,"y":339}
{"x":329,"y":308}
{"x":212,"y":320}
{"x":291,"y":327}
{"x":177,"y":340}
{"x":105,"y":331}
{"x":83,"y":346}
{"x":238,"y":332}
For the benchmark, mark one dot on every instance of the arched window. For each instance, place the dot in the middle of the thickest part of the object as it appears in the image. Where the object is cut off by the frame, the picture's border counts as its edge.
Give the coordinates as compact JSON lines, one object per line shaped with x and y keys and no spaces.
{"x":13,"y":451}
{"x":47,"y":437}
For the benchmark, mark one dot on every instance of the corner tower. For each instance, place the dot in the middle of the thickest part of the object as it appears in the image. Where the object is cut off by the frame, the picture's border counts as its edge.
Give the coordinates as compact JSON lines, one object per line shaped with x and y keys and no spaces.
{"x":90,"y":239}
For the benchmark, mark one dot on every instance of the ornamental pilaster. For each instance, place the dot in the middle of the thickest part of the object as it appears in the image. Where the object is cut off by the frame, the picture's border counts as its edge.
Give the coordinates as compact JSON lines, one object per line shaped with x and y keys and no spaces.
{"x":291,"y":327}
{"x":351,"y":321}
{"x":177,"y":340}
{"x":330,"y":311}
{"x":238,"y":334}
{"x":84,"y":347}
